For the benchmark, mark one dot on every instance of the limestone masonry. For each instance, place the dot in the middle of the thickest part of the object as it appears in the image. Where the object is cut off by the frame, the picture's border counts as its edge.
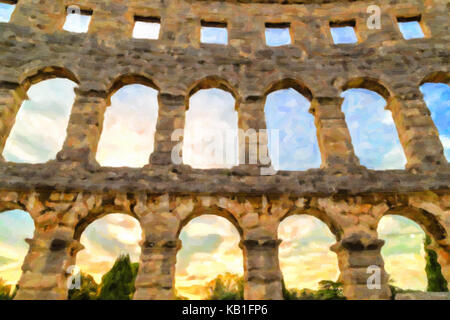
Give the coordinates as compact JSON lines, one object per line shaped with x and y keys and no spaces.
{"x":66,"y":194}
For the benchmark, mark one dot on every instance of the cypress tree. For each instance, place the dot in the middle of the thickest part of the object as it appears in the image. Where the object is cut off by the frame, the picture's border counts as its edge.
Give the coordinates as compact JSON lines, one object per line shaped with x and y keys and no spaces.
{"x":118,"y":283}
{"x":436,"y":281}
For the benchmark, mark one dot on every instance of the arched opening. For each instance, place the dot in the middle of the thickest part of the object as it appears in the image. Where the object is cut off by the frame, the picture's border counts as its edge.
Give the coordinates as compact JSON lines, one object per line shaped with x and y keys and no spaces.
{"x":15,"y":227}
{"x":211,"y":129}
{"x":437,"y":98}
{"x":372,"y":128}
{"x":129,"y":126}
{"x":41,"y":122}
{"x":109,"y":261}
{"x":310,"y":269}
{"x":292,"y":134}
{"x":210,"y":262}
{"x":403,"y":252}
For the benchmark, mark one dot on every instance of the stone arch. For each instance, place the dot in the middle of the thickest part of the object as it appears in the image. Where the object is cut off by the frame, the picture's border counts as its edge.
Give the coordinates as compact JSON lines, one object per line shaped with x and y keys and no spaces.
{"x":222,"y":240}
{"x":429,"y":222}
{"x":211,"y":210}
{"x":54,"y":133}
{"x":433,"y":226}
{"x":434,"y":88}
{"x":287,"y":109}
{"x":116,"y":233}
{"x":128,"y":126}
{"x":369,"y":84}
{"x":22,"y":227}
{"x":377,"y":139}
{"x":212,"y":82}
{"x":128,"y":79}
{"x":321,"y":215}
{"x":437,"y":77}
{"x":34,"y":76}
{"x":92,"y":216}
{"x":287,"y":83}
{"x":411,"y":267}
{"x":7,"y":202}
{"x":213,"y":141}
{"x":328,"y":261}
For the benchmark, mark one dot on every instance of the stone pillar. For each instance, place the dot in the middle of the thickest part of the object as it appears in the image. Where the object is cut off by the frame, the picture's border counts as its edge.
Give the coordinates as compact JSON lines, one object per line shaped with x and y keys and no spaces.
{"x":45,"y":269}
{"x":156,"y":277}
{"x":443,"y":255}
{"x":262,"y":273}
{"x":417,"y":132}
{"x":171,"y":116}
{"x":84,"y":128}
{"x":333,"y":136}
{"x":253,"y":138}
{"x":362,"y":268}
{"x":11,"y":98}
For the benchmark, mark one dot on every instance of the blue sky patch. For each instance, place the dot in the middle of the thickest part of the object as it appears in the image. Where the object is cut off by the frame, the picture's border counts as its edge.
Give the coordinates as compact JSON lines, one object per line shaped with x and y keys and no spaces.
{"x":411,"y":29}
{"x":277,"y":37}
{"x":6,"y":10}
{"x":343,"y":35}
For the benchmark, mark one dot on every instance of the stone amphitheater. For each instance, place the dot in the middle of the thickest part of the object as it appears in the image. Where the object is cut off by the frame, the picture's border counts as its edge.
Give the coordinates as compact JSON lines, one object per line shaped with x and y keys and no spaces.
{"x":66,"y":194}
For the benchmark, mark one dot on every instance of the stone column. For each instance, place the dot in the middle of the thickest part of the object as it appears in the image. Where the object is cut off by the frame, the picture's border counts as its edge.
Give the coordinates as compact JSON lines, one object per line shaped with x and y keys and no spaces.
{"x":443,"y":255}
{"x":156,"y":277}
{"x":45,"y":269}
{"x":84,"y":128}
{"x":417,"y":132}
{"x":11,"y":98}
{"x":171,"y":116}
{"x":332,"y":133}
{"x":362,"y":268}
{"x":252,"y":138}
{"x":262,"y":273}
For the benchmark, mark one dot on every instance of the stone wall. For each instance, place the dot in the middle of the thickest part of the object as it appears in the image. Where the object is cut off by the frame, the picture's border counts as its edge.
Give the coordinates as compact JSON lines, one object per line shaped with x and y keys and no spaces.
{"x":66,"y":194}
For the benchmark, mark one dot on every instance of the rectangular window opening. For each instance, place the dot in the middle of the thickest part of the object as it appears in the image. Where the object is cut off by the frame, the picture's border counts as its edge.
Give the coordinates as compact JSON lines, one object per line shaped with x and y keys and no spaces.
{"x":410,"y":27}
{"x":146,"y":27}
{"x":77,"y":19}
{"x":343,"y":32}
{"x":7,"y":8}
{"x":214,"y":32}
{"x":278,"y":34}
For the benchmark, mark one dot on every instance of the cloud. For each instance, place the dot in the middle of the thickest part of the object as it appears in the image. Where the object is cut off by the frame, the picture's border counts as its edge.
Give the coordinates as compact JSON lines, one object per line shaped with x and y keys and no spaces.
{"x":210,"y":247}
{"x":105,"y":239}
{"x":305,"y":255}
{"x":374,"y":135}
{"x":129,"y":127}
{"x":210,"y":139}
{"x":41,"y":122}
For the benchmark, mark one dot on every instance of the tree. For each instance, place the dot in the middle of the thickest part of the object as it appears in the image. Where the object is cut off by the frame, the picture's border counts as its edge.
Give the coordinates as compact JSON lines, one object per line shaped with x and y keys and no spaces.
{"x":436,"y":281}
{"x":118,"y":283}
{"x":328,"y":290}
{"x":87,"y":291}
{"x":226,"y":287}
{"x":5,"y":291}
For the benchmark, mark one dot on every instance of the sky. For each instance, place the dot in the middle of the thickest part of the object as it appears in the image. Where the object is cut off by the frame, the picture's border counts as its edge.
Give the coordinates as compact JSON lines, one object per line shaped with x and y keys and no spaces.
{"x":210,"y":243}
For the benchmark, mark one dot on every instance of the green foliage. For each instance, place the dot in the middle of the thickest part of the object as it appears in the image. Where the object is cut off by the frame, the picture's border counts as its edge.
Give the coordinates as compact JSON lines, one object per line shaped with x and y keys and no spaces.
{"x":231,"y":287}
{"x":226,"y":287}
{"x":436,"y":281}
{"x":5,"y":291}
{"x":87,"y":291}
{"x":328,"y":290}
{"x":118,"y":283}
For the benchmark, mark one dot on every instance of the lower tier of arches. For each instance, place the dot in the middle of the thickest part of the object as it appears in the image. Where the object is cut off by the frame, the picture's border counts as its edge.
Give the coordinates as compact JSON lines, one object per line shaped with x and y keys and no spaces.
{"x":61,"y":218}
